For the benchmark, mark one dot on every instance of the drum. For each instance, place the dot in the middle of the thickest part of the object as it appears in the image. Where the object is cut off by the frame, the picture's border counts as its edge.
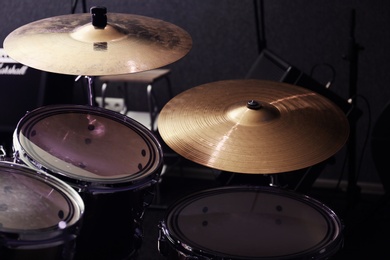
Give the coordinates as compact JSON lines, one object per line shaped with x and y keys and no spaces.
{"x":40,"y":215}
{"x":113,"y":162}
{"x":243,"y":222}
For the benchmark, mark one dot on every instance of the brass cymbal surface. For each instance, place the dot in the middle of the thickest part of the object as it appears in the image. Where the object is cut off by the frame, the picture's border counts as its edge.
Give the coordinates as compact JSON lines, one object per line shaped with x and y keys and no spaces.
{"x":253,"y":126}
{"x":71,"y":44}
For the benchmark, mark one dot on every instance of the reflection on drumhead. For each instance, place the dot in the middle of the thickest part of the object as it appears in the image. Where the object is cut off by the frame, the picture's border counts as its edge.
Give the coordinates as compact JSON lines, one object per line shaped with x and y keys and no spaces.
{"x":87,"y":145}
{"x":249,"y":223}
{"x":27,"y":203}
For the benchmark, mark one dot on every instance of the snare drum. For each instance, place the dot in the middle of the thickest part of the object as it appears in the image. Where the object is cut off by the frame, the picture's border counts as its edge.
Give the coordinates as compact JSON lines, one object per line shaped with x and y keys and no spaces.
{"x":110,"y":159}
{"x":242,"y":222}
{"x":40,"y":215}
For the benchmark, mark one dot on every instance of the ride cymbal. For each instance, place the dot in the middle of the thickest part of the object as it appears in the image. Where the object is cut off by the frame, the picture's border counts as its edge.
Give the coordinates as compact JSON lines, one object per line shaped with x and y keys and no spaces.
{"x":73,"y":44}
{"x":253,"y":126}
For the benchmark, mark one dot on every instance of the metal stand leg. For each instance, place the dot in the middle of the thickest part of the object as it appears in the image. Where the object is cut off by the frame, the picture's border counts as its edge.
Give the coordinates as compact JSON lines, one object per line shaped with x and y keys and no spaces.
{"x":91,"y":96}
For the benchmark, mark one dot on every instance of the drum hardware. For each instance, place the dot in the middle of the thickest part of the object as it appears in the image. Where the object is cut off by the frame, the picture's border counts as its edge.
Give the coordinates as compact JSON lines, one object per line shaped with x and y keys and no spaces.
{"x":90,"y":89}
{"x":3,"y":154}
{"x":290,"y":128}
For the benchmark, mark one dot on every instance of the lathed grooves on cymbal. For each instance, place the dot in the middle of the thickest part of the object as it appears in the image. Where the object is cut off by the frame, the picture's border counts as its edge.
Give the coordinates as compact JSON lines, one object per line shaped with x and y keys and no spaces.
{"x":70,"y":44}
{"x":293,"y":127}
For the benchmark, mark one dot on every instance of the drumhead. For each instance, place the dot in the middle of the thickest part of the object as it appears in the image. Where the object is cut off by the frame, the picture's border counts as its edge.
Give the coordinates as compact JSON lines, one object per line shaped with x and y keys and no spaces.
{"x":88,"y":145}
{"x":252,"y":223}
{"x":35,"y":205}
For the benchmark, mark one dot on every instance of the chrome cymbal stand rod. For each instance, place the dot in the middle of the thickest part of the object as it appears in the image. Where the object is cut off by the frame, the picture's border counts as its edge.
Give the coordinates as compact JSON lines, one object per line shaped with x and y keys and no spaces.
{"x":274,"y":180}
{"x":90,"y":92}
{"x":90,"y":89}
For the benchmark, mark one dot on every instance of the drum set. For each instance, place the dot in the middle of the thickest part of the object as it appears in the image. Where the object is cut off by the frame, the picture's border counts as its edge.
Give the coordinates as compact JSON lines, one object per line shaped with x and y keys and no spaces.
{"x":81,"y":177}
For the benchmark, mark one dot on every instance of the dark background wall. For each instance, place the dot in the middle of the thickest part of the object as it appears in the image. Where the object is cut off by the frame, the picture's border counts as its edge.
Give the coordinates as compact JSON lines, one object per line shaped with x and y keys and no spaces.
{"x":306,"y":34}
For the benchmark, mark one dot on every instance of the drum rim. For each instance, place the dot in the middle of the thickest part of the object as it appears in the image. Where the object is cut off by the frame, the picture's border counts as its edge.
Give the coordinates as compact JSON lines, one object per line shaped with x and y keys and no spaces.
{"x":325,"y":248}
{"x":154,"y":166}
{"x":73,"y":199}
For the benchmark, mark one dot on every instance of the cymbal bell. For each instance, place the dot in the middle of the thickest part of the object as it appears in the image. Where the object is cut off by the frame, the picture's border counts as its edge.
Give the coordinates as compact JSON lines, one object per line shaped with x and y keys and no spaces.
{"x":253,"y":126}
{"x":72,"y":44}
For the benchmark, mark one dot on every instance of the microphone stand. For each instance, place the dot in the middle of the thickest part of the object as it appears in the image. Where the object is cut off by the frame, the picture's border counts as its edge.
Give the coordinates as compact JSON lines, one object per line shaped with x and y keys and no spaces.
{"x":353,"y":190}
{"x":259,"y":19}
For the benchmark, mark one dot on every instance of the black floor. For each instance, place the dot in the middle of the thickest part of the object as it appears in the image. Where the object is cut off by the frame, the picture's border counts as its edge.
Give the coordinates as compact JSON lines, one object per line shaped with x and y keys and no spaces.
{"x":365,"y":219}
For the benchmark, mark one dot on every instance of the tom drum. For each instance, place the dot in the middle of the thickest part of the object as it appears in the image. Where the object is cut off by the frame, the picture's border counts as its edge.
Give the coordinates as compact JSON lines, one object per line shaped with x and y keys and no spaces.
{"x":113,"y":162}
{"x":40,"y":215}
{"x":242,"y":222}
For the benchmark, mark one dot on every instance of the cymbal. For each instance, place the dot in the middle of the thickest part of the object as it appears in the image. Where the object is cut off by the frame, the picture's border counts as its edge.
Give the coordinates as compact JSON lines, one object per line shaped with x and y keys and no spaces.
{"x":71,"y":44}
{"x":253,"y":126}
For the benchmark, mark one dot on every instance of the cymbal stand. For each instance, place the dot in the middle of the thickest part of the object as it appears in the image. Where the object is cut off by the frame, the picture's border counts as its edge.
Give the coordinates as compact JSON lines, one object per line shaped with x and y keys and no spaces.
{"x":90,"y":89}
{"x":274,"y":180}
{"x":2,"y":153}
{"x":99,"y":21}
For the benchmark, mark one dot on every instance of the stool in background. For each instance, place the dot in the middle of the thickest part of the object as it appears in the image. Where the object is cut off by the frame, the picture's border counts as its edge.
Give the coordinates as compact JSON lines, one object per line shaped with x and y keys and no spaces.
{"x":148,"y":78}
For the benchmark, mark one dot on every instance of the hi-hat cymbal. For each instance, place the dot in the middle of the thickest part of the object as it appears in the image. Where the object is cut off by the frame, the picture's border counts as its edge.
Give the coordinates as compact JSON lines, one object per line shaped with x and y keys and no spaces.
{"x":253,"y":126}
{"x":71,"y":44}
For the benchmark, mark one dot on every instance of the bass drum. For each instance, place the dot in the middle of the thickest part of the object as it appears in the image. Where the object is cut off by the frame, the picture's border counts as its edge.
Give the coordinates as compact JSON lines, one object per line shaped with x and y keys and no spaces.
{"x":241,"y":222}
{"x":110,"y":159}
{"x":40,"y":215}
